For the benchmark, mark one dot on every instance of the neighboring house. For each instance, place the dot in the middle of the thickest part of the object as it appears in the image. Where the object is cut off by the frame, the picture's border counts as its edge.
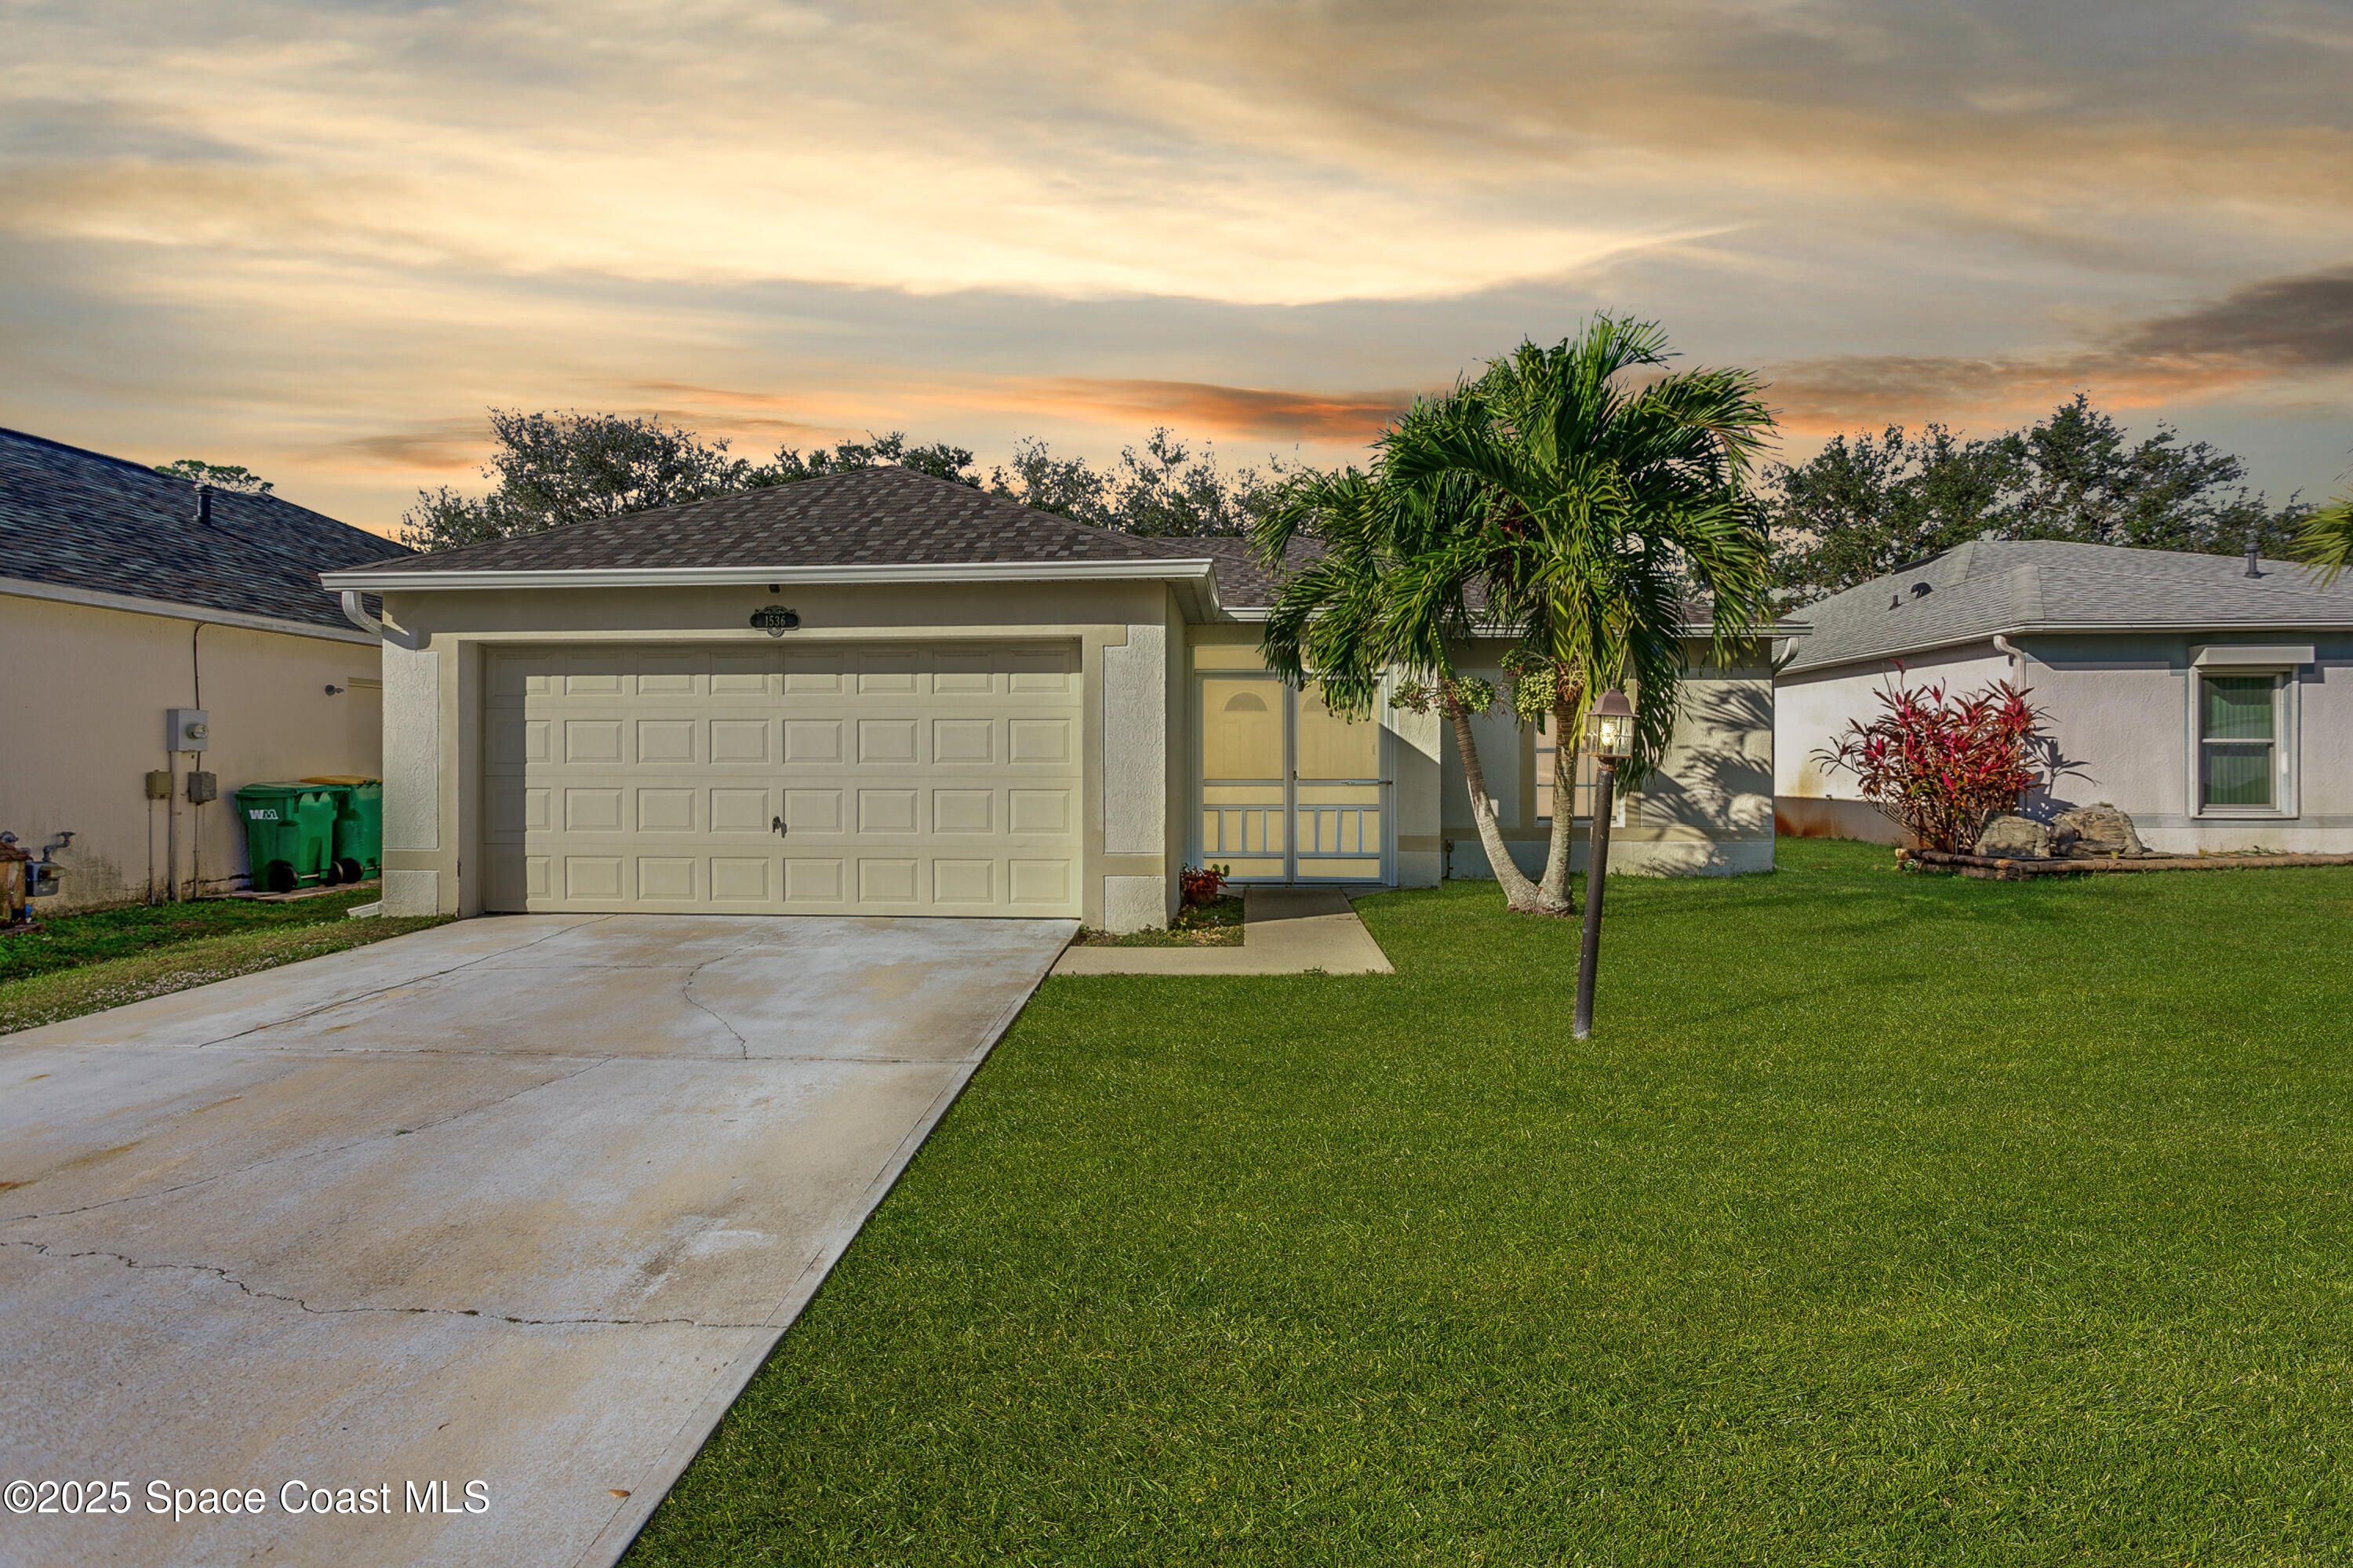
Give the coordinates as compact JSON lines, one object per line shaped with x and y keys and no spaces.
{"x":2210,"y":700}
{"x":883,"y":693}
{"x":119,"y":602}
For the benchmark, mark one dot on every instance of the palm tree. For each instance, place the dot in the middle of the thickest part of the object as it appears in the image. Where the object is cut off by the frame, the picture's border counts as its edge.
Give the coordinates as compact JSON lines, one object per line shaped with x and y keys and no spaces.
{"x":1554,"y":501}
{"x":1383,"y":596}
{"x":2325,"y":540}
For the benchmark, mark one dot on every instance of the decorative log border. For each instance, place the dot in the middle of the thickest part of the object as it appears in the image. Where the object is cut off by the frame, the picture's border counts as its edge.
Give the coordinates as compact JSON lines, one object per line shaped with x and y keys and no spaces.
{"x":2004,"y":870}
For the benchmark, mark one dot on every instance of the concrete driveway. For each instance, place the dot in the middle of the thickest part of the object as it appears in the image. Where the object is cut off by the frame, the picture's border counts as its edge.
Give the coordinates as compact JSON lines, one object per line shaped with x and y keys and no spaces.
{"x":518,"y":1201}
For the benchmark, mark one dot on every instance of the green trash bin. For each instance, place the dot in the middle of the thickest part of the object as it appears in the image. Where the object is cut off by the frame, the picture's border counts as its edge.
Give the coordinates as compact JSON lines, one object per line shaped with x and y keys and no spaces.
{"x":359,"y":825}
{"x":289,"y":833}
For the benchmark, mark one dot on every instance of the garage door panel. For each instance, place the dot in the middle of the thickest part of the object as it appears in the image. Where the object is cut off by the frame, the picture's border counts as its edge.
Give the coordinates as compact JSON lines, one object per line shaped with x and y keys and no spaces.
{"x":963,"y":810}
{"x":740,"y":741}
{"x":666,"y":810}
{"x":910,"y":779}
{"x":813,"y":811}
{"x":1039,"y":741}
{"x":740,"y":811}
{"x":887,"y":812}
{"x":813,"y":741}
{"x":591,"y":877}
{"x":667,"y":878}
{"x":961,"y":740}
{"x":887,"y":740}
{"x":665,"y":741}
{"x":809,"y":880}
{"x":739,"y":879}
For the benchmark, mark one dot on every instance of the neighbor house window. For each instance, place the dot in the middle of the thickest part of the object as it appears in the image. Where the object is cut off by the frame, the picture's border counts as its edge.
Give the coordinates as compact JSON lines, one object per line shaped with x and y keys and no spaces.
{"x":2238,"y":742}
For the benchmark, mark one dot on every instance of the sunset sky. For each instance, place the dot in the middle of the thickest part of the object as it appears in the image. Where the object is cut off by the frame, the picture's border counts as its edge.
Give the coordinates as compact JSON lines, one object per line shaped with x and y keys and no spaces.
{"x":318,"y":240}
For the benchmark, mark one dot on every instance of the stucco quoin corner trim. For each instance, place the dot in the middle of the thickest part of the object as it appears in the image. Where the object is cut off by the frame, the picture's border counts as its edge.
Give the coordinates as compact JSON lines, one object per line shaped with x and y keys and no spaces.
{"x":1202,"y":570}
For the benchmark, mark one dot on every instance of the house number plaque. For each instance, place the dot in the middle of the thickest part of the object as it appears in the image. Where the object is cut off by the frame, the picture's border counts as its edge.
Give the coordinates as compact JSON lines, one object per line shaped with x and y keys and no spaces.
{"x":775,"y":620}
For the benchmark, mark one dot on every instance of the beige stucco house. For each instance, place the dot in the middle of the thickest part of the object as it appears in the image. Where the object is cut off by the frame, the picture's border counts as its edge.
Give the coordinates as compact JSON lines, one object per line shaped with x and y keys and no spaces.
{"x":883,"y":693}
{"x":124,"y":595}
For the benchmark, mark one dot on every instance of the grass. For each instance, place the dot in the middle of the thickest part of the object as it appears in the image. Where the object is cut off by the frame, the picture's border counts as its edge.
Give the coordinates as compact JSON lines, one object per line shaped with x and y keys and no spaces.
{"x":1885,"y":1219}
{"x":1217,"y":924}
{"x":83,"y":963}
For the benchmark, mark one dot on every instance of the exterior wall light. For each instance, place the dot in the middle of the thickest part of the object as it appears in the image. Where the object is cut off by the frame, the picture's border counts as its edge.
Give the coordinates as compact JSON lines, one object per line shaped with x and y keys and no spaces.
{"x":1611,"y":728}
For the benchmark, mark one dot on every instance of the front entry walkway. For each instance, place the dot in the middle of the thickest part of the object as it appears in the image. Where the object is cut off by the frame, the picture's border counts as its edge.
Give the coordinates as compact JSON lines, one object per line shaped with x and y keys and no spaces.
{"x":469,"y":1237}
{"x":1285,"y":931}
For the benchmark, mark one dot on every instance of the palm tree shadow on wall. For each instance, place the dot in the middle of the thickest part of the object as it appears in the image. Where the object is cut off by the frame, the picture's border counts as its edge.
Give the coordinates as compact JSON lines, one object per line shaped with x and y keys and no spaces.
{"x":1719,"y":774}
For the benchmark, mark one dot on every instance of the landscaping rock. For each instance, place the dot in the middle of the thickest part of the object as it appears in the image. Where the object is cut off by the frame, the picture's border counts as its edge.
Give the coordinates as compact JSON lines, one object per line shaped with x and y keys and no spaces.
{"x":2100,"y":829}
{"x":2015,"y":838}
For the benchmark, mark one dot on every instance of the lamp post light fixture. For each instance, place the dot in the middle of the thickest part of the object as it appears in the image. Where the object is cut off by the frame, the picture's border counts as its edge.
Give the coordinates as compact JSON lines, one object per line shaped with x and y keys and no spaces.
{"x":1611,"y":729}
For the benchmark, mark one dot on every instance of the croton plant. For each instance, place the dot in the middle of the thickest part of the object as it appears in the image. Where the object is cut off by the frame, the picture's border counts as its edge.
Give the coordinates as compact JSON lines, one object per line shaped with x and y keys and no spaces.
{"x":1941,"y":765}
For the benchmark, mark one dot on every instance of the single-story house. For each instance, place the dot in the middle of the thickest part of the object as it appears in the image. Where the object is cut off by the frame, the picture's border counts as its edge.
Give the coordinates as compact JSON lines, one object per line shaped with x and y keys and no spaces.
{"x":126,"y":595}
{"x":2208,"y":697}
{"x":879,"y":693}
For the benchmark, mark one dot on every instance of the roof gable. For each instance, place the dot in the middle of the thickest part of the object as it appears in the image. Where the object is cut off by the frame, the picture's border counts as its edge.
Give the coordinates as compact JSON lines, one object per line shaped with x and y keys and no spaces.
{"x":80,"y":519}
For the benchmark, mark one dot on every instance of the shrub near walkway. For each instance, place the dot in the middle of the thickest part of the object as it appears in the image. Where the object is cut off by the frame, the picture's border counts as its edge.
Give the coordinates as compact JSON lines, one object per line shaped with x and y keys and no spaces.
{"x":1885,"y":1219}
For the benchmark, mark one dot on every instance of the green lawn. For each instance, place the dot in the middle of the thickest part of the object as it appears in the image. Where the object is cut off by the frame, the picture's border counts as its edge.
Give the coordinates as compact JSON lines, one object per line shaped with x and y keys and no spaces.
{"x":1885,"y":1219}
{"x":81,"y":963}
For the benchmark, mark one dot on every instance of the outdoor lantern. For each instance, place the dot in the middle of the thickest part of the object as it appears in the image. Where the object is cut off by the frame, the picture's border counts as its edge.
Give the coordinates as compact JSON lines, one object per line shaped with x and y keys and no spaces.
{"x":1613,"y":726}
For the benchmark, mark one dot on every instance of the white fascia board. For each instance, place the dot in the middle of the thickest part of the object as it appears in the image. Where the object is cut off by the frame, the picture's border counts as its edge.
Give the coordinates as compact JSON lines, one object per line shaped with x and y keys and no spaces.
{"x":2078,"y":629}
{"x":366,"y":582}
{"x":170,"y":609}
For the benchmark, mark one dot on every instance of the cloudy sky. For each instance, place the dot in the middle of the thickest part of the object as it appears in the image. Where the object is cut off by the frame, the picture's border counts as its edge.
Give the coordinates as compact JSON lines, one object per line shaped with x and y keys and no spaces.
{"x":320,"y":238}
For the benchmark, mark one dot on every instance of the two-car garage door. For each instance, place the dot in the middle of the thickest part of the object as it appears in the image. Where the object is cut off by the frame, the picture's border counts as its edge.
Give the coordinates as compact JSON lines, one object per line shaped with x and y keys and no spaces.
{"x":881,"y":779}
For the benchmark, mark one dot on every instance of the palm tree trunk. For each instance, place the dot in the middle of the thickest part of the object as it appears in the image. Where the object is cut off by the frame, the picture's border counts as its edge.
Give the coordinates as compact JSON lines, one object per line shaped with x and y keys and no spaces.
{"x":1554,"y":889}
{"x":1520,"y":894}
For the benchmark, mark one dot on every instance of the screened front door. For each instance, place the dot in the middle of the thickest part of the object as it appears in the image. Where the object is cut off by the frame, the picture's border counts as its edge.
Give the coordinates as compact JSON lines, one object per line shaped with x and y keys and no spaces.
{"x":1289,"y":790}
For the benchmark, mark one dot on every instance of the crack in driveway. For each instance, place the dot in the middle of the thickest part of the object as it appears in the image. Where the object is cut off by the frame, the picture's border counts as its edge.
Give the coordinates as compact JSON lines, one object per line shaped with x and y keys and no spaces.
{"x":50,"y":1250}
{"x":475,"y":1108}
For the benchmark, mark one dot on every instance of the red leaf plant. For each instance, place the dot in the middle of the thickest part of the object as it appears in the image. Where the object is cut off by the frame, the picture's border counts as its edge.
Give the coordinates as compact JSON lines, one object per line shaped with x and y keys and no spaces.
{"x":1941,"y":766}
{"x":1201,"y":885}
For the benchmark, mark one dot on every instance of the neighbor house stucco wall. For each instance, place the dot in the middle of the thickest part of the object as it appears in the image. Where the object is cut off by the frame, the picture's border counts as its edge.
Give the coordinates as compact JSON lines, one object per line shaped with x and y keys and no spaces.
{"x":1121,"y":629}
{"x":1811,"y":710}
{"x":2119,"y":706}
{"x":82,"y":707}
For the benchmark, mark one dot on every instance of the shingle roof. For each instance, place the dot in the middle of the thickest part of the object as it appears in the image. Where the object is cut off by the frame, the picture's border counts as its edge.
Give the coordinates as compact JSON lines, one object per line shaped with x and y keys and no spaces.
{"x":84,"y":520}
{"x":1242,"y":583}
{"x":1988,"y":587}
{"x":872,"y":517}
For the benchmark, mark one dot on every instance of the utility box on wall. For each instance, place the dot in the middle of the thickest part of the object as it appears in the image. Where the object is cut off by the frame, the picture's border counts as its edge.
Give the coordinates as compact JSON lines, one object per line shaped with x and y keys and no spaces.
{"x":186,"y":729}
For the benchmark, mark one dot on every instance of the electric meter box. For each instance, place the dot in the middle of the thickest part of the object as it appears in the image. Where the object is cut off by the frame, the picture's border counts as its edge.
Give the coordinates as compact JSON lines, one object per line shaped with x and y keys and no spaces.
{"x":186,"y":729}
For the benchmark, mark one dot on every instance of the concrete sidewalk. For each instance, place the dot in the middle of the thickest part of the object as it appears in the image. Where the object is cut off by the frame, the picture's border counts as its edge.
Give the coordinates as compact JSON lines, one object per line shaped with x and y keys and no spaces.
{"x":1285,"y":931}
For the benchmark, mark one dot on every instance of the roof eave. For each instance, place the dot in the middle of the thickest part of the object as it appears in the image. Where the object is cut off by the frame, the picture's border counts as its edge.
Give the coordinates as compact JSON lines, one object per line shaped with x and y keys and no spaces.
{"x":377,"y":580}
{"x":2072,"y":628}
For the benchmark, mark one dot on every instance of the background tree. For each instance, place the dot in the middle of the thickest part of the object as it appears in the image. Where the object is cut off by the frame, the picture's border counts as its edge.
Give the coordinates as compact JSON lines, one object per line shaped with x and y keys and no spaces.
{"x":220,"y":476}
{"x":550,"y":469}
{"x":1865,"y":504}
{"x":1169,"y":488}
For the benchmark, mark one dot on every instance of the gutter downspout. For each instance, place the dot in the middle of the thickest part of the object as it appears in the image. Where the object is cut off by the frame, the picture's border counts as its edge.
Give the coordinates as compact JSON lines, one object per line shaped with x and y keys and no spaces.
{"x":2002,"y":644}
{"x":354,"y":612}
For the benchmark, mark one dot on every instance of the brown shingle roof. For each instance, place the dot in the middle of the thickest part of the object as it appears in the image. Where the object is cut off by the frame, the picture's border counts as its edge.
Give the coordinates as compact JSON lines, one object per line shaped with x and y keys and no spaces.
{"x":873,"y":516}
{"x":83,"y":520}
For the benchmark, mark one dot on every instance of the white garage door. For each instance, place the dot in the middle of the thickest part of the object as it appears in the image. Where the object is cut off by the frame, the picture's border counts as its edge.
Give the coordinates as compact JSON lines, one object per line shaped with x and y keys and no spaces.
{"x":937,"y":780}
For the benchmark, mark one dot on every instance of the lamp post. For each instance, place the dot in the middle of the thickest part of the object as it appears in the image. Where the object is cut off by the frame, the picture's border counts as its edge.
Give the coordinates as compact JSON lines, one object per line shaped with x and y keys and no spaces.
{"x":1611,"y":727}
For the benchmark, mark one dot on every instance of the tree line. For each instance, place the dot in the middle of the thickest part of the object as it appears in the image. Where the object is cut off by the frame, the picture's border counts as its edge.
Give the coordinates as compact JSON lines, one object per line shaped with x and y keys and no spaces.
{"x":550,"y":469}
{"x":1862,"y":505}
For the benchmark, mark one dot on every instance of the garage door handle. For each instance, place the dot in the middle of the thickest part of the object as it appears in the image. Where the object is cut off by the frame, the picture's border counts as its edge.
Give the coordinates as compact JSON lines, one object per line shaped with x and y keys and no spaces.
{"x":777,"y":826}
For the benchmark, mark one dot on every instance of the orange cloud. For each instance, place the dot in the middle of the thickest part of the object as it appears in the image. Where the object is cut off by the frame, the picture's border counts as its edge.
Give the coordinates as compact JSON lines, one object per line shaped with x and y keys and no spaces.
{"x":1197,"y":404}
